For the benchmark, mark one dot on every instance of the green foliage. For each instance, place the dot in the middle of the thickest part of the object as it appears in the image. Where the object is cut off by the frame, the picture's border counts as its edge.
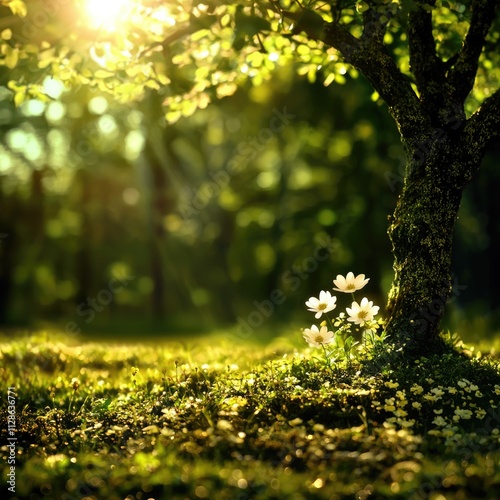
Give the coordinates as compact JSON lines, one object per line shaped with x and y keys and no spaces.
{"x":93,"y":169}
{"x":246,"y":26}
{"x":191,"y":55}
{"x":310,"y":22}
{"x":185,"y":420}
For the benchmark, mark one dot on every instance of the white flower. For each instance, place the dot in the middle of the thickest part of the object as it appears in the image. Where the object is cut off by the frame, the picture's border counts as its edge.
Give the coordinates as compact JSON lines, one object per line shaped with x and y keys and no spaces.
{"x":361,"y":313}
{"x":439,"y":421}
{"x":324,"y":304}
{"x":459,"y":413}
{"x":317,"y":338}
{"x":350,"y":283}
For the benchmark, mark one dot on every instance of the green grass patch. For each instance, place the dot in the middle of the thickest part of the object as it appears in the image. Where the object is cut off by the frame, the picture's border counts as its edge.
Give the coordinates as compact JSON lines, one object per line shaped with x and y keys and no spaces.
{"x":216,"y":419}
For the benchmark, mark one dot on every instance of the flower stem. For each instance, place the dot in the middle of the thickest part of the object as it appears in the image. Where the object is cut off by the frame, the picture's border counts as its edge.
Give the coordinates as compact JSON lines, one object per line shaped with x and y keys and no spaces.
{"x":329,"y":321}
{"x":327,"y":358}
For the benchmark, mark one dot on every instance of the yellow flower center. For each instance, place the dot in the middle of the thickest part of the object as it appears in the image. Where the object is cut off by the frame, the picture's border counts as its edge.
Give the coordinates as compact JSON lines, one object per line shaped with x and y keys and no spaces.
{"x":350,"y":286}
{"x":319,"y":339}
{"x":362,"y":314}
{"x":321,"y":306}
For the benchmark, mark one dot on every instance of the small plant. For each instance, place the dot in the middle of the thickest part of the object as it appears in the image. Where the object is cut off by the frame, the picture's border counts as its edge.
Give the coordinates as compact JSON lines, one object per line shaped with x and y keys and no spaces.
{"x":75,"y":384}
{"x":350,"y":333}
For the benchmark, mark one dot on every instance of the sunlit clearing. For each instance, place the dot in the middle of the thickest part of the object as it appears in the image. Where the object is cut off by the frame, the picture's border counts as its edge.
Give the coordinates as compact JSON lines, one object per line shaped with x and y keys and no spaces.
{"x":108,"y":15}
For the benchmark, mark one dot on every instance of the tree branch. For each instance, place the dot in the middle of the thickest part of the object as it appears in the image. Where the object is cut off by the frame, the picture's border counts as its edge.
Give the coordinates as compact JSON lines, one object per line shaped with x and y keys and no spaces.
{"x":379,"y":68}
{"x":203,"y":23}
{"x":173,"y":37}
{"x":373,"y":60}
{"x":463,"y":73}
{"x":315,"y":28}
{"x":427,"y":68}
{"x":484,"y":125}
{"x":375,"y":23}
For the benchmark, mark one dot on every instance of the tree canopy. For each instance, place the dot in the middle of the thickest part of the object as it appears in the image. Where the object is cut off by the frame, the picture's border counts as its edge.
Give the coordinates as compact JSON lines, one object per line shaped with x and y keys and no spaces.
{"x":193,"y":52}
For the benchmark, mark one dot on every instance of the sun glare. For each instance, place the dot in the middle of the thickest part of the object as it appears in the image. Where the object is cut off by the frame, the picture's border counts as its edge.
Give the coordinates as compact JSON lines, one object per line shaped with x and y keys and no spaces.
{"x":108,"y":15}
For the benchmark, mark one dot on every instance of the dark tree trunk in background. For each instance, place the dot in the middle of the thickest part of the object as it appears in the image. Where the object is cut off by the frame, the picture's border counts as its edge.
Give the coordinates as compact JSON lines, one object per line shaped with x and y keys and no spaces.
{"x":161,"y":205}
{"x":84,"y":257}
{"x":37,"y":229}
{"x":8,"y":243}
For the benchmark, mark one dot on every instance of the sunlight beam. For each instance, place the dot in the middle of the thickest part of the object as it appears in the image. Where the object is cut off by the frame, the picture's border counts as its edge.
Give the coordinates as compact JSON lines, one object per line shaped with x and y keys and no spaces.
{"x":108,"y":15}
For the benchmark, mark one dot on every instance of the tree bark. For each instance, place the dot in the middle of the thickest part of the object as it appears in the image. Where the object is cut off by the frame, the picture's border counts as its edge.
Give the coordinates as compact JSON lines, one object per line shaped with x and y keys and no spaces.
{"x":421,"y":229}
{"x":421,"y":232}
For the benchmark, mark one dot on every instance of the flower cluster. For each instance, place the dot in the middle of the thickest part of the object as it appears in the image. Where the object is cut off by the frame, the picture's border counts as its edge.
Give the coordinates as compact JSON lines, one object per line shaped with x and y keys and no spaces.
{"x":449,"y":407}
{"x":361,"y":313}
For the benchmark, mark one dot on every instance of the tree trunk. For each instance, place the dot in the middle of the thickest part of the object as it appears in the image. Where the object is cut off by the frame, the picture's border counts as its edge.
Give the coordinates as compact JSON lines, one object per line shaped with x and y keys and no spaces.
{"x":444,"y":150}
{"x":421,"y":232}
{"x":84,"y":255}
{"x":161,"y":205}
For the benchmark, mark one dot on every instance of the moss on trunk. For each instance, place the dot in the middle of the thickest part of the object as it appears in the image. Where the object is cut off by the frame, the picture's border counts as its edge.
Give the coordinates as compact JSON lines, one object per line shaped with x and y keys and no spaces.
{"x":421,"y":232}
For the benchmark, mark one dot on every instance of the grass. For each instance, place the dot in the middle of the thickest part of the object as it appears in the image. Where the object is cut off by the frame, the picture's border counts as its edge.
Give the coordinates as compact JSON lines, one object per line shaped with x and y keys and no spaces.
{"x":217,"y":419}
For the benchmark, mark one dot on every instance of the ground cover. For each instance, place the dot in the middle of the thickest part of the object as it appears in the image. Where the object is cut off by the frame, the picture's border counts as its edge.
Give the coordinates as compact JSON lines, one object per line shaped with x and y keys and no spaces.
{"x":218,"y":419}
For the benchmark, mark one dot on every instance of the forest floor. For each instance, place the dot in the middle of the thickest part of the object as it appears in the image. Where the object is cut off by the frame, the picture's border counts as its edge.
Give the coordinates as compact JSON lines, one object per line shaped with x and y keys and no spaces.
{"x":216,"y":419}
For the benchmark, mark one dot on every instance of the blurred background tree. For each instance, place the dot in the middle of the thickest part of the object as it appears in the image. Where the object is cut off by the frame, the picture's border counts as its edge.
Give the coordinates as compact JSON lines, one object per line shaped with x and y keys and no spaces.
{"x":91,"y":190}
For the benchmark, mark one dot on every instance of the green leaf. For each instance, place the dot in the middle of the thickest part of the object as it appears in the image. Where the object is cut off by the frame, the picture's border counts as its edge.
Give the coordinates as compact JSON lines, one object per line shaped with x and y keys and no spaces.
{"x":249,"y":25}
{"x":18,"y":8}
{"x":6,"y":34}
{"x":362,"y":7}
{"x":202,"y":22}
{"x":238,"y":42}
{"x":19,"y":98}
{"x":102,"y":73}
{"x":11,"y":57}
{"x":311,"y":23}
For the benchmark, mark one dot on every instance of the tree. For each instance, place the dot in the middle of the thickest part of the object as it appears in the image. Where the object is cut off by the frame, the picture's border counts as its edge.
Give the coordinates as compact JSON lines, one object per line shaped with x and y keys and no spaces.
{"x":432,"y":62}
